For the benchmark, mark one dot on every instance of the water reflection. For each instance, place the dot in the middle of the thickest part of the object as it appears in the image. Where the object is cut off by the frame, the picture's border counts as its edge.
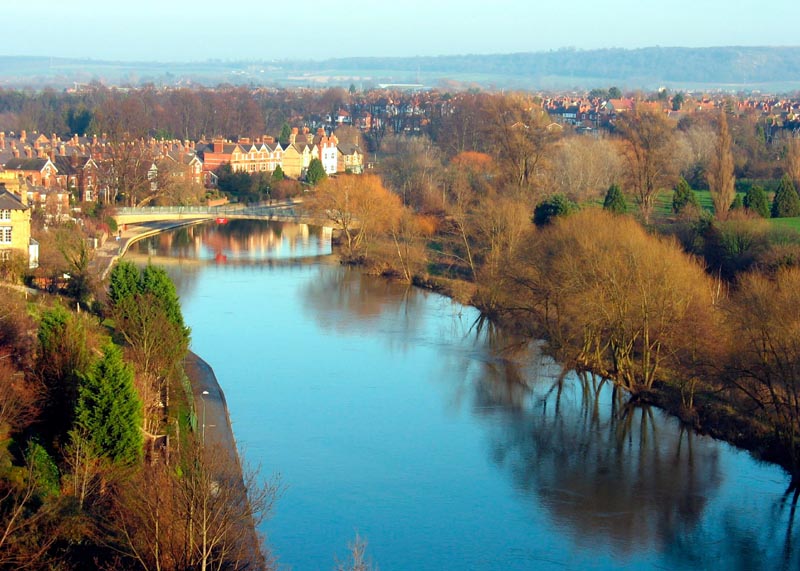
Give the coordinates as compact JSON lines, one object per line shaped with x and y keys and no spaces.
{"x":610,"y":472}
{"x":237,"y":241}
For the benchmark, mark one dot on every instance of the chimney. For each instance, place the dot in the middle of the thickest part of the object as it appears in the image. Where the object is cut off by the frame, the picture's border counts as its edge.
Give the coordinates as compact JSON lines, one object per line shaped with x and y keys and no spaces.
{"x":62,"y":150}
{"x":40,"y":153}
{"x":94,"y":140}
{"x":2,"y":140}
{"x":28,"y":152}
{"x":22,"y":136}
{"x":218,"y":145}
{"x":52,"y":155}
{"x":15,"y":150}
{"x":53,"y":139}
{"x":269,"y":140}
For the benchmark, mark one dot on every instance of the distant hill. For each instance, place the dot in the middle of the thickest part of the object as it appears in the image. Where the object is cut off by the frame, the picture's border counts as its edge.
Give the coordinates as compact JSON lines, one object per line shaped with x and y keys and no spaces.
{"x":729,"y":68}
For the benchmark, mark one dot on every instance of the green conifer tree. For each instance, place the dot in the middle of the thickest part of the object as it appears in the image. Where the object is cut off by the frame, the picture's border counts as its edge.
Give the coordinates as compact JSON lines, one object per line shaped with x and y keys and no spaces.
{"x":786,"y":203}
{"x":683,"y":196}
{"x":124,"y":282}
{"x":109,"y":409}
{"x":315,"y":173}
{"x":757,"y":201}
{"x":615,"y":200}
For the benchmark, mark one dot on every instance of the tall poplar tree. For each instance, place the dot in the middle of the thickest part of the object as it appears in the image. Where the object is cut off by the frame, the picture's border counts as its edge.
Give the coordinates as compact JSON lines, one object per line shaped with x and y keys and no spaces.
{"x":719,"y":173}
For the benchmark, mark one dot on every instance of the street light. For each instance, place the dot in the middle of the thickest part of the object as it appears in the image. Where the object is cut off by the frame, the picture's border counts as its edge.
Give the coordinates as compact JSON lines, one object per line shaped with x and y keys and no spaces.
{"x":203,"y":396}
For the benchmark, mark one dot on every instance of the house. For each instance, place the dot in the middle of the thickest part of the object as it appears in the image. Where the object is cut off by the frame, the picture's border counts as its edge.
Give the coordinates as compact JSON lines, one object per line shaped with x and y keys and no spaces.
{"x":350,"y":159}
{"x":78,"y":174}
{"x":15,"y":228}
{"x":38,"y":171}
{"x":327,"y":151}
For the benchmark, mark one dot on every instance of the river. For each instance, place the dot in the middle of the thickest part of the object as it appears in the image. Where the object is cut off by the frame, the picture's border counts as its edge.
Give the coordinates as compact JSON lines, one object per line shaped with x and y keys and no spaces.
{"x":387,"y":413}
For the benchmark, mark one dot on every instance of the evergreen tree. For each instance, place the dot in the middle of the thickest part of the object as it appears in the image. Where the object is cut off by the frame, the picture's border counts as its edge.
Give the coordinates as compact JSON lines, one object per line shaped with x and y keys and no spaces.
{"x":315,"y":173}
{"x":62,"y":356}
{"x":109,"y":409}
{"x":286,"y":132}
{"x":756,"y":200}
{"x":556,"y":205}
{"x":615,"y":200}
{"x":156,"y":282}
{"x":277,"y":174}
{"x":738,"y":203}
{"x":786,"y":203}
{"x":123,"y":282}
{"x":683,"y":196}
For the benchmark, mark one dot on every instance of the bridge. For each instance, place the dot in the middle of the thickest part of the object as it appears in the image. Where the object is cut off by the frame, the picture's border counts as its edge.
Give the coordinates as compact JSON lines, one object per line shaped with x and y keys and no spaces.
{"x":287,"y":211}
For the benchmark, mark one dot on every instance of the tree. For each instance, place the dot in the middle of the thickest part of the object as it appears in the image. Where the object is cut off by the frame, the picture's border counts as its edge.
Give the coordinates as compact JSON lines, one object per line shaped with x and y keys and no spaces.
{"x":720,"y":170}
{"x":786,"y":203}
{"x":555,"y":206}
{"x":63,"y":354}
{"x":286,"y":133}
{"x":277,"y":174}
{"x":757,"y":201}
{"x":123,"y":282}
{"x":610,"y":297}
{"x":316,"y":172}
{"x":156,"y":281}
{"x":518,"y":129}
{"x":615,"y":200}
{"x":793,"y":159}
{"x":648,"y":146}
{"x":766,"y":353}
{"x":677,"y":101}
{"x":584,"y":167}
{"x":614,"y":92}
{"x":360,"y":206}
{"x":738,"y":202}
{"x":197,"y":514}
{"x":109,"y":410}
{"x":683,"y":196}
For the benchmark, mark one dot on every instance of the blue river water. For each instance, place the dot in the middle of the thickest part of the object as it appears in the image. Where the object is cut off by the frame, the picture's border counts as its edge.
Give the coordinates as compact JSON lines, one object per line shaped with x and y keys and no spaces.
{"x":388,"y":413}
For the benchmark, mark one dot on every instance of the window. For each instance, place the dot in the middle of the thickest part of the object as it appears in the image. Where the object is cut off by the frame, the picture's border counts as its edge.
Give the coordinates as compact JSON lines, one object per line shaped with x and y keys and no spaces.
{"x":5,"y":215}
{"x":5,"y":234}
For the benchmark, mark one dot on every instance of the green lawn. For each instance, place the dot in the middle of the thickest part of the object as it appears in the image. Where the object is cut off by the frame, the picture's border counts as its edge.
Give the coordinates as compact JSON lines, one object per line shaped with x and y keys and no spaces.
{"x":791,"y":223}
{"x":663,"y":206}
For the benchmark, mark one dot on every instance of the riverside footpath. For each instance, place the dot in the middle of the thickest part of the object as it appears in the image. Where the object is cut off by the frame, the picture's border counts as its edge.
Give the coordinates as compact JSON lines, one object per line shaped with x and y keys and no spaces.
{"x":115,"y":247}
{"x":211,"y":409}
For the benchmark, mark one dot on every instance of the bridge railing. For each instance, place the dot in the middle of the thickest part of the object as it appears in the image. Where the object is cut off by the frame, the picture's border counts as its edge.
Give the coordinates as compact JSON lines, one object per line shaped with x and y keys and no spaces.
{"x":283,"y":208}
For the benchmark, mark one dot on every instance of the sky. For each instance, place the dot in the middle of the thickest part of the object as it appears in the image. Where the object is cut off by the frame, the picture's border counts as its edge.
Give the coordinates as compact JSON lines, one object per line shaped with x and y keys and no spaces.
{"x":178,"y":31}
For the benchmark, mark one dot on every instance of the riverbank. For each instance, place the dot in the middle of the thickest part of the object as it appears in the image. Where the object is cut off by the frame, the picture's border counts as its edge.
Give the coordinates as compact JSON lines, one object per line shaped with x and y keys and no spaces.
{"x":211,"y":409}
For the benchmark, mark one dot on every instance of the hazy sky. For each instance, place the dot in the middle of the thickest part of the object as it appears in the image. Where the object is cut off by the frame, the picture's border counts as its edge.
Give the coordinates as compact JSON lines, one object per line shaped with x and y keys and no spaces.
{"x":178,"y":30}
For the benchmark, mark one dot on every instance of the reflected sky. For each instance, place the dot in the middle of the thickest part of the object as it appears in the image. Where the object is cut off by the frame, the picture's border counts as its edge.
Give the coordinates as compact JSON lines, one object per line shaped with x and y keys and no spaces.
{"x":387,"y":412}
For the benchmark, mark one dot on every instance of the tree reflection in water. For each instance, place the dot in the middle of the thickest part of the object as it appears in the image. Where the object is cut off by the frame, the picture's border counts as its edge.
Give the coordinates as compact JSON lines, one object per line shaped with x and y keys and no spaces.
{"x":608,"y":471}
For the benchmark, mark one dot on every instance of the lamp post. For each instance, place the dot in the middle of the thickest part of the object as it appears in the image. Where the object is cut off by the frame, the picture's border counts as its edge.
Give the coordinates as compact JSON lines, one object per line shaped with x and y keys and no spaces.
{"x":203,"y":432}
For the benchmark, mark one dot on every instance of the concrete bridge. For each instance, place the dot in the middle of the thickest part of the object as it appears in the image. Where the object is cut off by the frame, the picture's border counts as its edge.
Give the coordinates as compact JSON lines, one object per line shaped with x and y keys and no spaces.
{"x":280,"y":212}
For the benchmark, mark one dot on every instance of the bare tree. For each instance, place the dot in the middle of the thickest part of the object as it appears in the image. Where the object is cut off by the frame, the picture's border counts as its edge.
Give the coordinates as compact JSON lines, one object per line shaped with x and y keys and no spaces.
{"x":201,"y":514}
{"x":360,"y":206}
{"x":648,"y":147}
